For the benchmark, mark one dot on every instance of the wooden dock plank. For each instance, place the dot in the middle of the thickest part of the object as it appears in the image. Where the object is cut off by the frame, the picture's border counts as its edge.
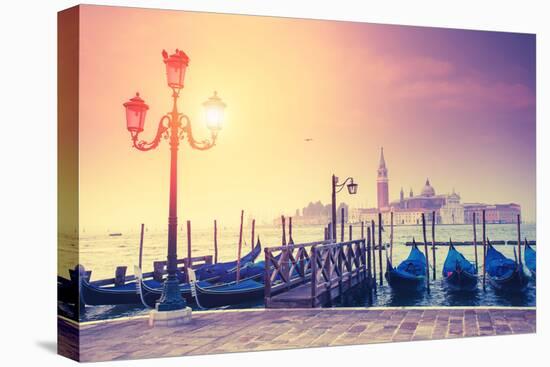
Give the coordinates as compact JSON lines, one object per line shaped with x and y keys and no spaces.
{"x":301,"y":296}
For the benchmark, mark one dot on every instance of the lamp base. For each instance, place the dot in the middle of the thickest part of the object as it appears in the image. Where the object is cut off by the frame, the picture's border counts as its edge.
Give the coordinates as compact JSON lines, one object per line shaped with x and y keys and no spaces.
{"x":170,"y":318}
{"x":171,"y":299}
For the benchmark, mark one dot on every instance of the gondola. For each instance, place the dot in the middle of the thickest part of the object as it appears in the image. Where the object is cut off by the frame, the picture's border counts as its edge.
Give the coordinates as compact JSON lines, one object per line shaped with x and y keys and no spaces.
{"x":206,"y":272}
{"x":149,"y":296}
{"x":459,"y":273}
{"x":126,"y":294}
{"x":245,"y":291}
{"x":531,"y":260}
{"x":233,"y":293}
{"x":67,"y":291}
{"x":94,"y":295}
{"x":410,"y":275}
{"x":250,"y":288}
{"x":504,"y":274}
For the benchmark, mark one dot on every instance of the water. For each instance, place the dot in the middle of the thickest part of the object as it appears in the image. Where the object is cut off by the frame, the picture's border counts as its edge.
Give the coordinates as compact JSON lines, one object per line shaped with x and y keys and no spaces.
{"x":101,"y":254}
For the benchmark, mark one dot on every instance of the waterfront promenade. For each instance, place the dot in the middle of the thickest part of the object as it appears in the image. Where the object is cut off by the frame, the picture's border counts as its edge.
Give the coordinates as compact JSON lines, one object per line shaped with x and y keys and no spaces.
{"x":213,"y":332}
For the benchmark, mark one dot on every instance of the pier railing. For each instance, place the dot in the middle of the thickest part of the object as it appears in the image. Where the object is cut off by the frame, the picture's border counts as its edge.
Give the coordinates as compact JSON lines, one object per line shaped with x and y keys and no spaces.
{"x":337,"y":265}
{"x":287,"y":266}
{"x":311,"y":274}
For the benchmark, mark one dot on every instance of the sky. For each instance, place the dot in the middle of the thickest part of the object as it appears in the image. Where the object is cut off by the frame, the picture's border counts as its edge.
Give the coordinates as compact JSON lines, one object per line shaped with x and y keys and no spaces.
{"x":456,"y":106}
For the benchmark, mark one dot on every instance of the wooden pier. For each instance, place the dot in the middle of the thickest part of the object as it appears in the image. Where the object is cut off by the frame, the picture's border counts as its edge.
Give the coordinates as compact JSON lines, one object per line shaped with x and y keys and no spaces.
{"x":313,"y":274}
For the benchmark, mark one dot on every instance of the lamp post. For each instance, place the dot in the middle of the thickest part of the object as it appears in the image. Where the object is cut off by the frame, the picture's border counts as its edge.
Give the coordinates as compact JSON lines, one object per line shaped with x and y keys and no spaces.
{"x":174,"y":126}
{"x":336,"y":188}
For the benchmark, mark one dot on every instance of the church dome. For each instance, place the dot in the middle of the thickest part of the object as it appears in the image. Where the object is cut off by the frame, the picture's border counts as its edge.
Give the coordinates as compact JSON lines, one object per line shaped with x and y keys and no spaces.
{"x":428,"y":190}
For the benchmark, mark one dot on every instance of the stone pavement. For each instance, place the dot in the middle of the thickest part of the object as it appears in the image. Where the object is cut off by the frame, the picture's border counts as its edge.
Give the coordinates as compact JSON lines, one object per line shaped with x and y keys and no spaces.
{"x":213,"y":332}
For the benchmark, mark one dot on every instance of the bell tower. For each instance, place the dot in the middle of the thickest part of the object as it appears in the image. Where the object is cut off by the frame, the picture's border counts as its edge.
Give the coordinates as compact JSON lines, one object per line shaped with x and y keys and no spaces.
{"x":382,"y":183}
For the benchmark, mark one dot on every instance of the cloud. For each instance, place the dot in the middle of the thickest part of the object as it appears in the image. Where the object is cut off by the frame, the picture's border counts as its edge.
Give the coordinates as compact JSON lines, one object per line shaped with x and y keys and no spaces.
{"x":443,"y":85}
{"x":467,"y":94}
{"x":426,"y":67}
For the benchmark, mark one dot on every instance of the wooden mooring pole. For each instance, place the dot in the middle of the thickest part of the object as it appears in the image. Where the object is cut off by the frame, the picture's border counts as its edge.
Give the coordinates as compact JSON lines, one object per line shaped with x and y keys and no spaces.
{"x":350,"y":232}
{"x":141,"y":245}
{"x":240,"y":247}
{"x":433,"y":245}
{"x":215,"y":241}
{"x":290,"y":240}
{"x":362,"y":229}
{"x":519,"y":239}
{"x":283,"y":224}
{"x":253,"y":238}
{"x":484,"y":246}
{"x":391,"y":237}
{"x":369,"y":264}
{"x":373,"y":237}
{"x":515,"y":253}
{"x":380,"y":244}
{"x":475,"y":241}
{"x":426,"y":253}
{"x":342,"y":224}
{"x":188,"y":265}
{"x":339,"y":265}
{"x":284,"y":253}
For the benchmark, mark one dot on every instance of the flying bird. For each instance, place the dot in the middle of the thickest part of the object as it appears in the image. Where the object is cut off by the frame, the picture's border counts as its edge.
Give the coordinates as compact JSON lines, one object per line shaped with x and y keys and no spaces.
{"x":308,"y":139}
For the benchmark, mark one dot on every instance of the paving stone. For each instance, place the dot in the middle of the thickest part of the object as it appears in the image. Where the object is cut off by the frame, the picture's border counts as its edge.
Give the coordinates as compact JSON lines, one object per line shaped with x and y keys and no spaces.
{"x":246,"y":330}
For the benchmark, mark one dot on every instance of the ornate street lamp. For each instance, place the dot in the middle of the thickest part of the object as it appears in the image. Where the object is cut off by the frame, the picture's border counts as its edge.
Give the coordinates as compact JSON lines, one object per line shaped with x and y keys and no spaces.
{"x":336,"y":188}
{"x":174,"y":126}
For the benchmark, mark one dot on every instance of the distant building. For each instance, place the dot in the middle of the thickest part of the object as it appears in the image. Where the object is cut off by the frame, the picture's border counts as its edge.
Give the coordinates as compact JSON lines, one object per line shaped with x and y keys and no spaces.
{"x":317,"y":213}
{"x":364,"y":215}
{"x":452,"y":212}
{"x":411,"y":216}
{"x":448,"y":208}
{"x":499,"y":213}
{"x":382,"y":184}
{"x":470,"y":209}
{"x":400,"y":216}
{"x":426,"y":200}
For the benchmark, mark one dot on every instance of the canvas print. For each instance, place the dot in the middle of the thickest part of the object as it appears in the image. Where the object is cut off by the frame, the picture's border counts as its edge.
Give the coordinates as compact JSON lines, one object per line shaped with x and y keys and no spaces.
{"x":242,"y":183}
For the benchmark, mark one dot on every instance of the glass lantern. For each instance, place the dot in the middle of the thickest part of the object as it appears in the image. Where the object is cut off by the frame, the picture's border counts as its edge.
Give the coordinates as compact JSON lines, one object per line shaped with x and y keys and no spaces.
{"x":352,"y":187}
{"x":214,"y":111}
{"x":176,"y":65}
{"x":136,"y":109}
